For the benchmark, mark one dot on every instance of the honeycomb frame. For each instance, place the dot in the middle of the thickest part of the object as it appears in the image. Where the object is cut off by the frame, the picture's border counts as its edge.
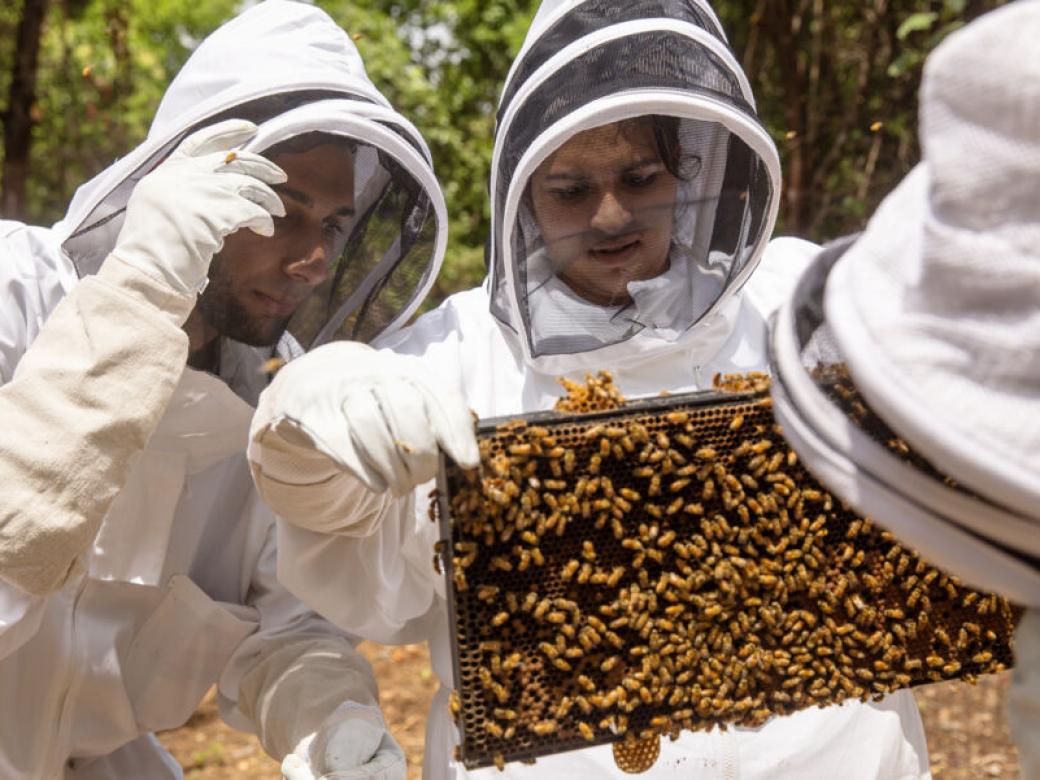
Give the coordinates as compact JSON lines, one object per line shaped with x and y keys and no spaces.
{"x":515,"y":701}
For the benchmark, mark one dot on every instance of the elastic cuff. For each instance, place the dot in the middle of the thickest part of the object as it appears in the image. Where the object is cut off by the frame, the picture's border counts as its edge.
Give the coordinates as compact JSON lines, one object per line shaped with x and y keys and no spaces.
{"x":175,"y":306}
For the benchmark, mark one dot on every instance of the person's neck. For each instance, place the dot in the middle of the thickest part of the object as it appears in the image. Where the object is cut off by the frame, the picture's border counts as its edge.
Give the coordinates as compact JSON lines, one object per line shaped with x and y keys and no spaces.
{"x":203,"y":344}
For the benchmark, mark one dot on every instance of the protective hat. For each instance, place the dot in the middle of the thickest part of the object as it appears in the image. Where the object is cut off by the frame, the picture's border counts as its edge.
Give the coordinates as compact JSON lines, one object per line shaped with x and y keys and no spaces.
{"x":289,"y":67}
{"x":907,"y":366}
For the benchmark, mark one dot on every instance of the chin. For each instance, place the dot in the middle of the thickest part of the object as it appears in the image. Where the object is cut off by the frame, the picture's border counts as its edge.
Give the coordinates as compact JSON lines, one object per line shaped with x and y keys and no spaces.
{"x":258,"y":332}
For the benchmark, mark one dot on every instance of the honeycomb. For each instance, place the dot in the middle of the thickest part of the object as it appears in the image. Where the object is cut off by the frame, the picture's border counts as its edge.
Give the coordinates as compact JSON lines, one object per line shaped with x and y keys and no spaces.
{"x":620,"y":572}
{"x":637,"y":755}
{"x":836,"y":383}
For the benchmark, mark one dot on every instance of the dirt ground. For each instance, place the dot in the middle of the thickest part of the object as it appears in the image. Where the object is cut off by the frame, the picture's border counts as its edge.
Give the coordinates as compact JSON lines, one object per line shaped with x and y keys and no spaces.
{"x":968,"y":737}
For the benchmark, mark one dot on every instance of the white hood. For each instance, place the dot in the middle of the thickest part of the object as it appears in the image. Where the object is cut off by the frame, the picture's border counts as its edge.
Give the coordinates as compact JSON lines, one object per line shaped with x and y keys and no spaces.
{"x":277,"y":47}
{"x":590,"y":63}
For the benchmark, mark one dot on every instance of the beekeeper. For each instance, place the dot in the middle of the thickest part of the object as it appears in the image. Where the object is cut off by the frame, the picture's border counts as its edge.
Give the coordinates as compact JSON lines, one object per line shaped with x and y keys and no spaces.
{"x":137,"y":564}
{"x":935,"y":311}
{"x":633,"y":192}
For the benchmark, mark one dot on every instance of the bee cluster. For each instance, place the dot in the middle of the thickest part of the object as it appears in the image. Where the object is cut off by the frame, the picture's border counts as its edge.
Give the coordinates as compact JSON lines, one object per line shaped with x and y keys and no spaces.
{"x":598,"y":394}
{"x":834,"y":380}
{"x":671,"y":565}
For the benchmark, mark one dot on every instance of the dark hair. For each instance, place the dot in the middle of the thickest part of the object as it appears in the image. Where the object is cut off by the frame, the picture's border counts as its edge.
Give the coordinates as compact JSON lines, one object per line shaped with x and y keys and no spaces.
{"x":665,"y":130}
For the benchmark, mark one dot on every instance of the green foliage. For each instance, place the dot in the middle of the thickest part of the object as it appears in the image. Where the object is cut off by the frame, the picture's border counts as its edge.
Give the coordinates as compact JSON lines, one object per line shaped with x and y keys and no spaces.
{"x":927,"y":29}
{"x":836,"y":83}
{"x":214,"y":754}
{"x":104,"y":65}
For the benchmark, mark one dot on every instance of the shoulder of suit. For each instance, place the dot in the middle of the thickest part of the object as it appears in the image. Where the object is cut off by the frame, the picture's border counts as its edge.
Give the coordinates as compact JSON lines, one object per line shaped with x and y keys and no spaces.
{"x":460,"y":312}
{"x":782,"y":265}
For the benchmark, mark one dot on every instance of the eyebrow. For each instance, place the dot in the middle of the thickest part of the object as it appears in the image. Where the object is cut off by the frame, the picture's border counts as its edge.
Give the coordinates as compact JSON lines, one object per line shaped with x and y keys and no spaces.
{"x":306,"y":200}
{"x":642,"y":163}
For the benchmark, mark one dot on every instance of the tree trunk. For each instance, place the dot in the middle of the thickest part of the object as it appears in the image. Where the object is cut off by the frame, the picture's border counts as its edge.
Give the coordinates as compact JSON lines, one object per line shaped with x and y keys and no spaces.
{"x":17,"y":119}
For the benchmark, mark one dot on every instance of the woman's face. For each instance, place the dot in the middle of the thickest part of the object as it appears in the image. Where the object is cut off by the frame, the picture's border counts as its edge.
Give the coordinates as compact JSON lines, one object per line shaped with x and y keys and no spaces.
{"x":604,"y":203}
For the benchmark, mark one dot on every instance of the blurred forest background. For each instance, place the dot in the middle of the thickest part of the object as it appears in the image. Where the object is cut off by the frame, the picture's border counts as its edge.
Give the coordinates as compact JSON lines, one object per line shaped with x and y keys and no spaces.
{"x":836,"y":83}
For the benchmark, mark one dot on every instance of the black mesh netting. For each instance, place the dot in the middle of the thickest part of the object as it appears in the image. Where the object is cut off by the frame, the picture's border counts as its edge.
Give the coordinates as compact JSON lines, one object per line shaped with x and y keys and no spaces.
{"x":380,"y":270}
{"x":653,"y":60}
{"x":717,"y":217}
{"x":589,"y":17}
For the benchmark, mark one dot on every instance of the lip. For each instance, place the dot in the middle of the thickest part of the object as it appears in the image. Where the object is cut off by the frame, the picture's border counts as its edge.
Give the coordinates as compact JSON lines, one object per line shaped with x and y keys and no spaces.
{"x":277,"y":306}
{"x":616,"y":251}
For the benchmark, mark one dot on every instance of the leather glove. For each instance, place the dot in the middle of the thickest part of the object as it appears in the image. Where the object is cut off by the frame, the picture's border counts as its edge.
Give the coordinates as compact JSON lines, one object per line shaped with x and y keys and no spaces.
{"x":352,"y":744}
{"x":179,"y":214}
{"x":379,"y":415}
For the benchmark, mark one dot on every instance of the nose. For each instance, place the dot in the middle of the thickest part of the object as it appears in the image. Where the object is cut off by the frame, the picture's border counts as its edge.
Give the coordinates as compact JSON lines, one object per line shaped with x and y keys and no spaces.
{"x":310,"y":266}
{"x":611,"y":216}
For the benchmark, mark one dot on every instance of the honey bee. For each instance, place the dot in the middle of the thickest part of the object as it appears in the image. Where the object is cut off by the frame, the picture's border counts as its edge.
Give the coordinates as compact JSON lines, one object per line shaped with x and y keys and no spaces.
{"x":494,"y":729}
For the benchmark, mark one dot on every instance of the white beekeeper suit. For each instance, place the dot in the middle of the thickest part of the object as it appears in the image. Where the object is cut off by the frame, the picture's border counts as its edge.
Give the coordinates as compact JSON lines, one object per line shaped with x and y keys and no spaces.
{"x":323,"y":441}
{"x":935,"y":310}
{"x":137,"y":563}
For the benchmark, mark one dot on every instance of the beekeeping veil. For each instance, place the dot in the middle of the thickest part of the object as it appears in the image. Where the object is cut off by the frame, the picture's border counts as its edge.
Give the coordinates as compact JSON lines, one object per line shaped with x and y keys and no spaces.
{"x":934,"y":313}
{"x":291,"y":69}
{"x":659,"y":80}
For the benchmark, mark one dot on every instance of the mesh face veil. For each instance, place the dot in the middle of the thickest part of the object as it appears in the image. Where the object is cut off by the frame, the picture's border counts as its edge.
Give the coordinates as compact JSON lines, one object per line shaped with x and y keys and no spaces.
{"x":386,"y":254}
{"x":365,"y":214}
{"x":633,"y":184}
{"x":388,"y":243}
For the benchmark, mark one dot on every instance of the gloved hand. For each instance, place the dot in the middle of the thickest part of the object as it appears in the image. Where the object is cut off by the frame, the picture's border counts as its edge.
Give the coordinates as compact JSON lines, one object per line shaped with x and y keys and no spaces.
{"x":380,"y":415}
{"x":178,"y":215}
{"x":352,"y":744}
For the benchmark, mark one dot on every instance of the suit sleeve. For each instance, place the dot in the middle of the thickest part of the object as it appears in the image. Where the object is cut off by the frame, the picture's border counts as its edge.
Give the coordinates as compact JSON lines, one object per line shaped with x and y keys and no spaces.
{"x":79,"y":402}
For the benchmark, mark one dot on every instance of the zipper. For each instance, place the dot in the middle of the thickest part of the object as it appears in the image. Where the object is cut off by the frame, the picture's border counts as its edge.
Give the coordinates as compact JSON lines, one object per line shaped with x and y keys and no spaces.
{"x":729,"y":761}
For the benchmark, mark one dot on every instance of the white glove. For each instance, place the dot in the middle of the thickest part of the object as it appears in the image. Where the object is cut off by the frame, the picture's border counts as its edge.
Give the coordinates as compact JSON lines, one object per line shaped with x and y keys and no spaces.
{"x":352,"y":744}
{"x":379,"y":415}
{"x":178,"y":215}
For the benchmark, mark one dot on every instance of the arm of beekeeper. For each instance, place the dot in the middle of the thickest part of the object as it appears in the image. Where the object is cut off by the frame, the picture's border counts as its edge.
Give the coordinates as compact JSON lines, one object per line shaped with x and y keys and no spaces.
{"x":84,"y":398}
{"x":345,"y":429}
{"x":302,"y":687}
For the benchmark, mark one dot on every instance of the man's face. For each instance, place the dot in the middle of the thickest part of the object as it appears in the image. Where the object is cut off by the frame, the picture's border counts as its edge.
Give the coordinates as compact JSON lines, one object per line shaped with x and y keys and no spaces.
{"x":256,"y":283}
{"x":604,"y":203}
